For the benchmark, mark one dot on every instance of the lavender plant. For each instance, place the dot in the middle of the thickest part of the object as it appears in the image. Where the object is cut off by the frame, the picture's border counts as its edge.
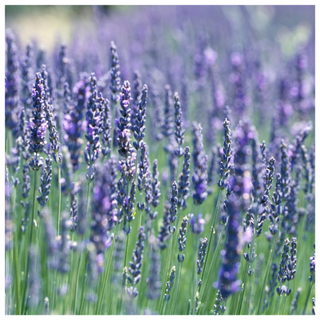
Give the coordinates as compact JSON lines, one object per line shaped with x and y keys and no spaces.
{"x":101,"y":214}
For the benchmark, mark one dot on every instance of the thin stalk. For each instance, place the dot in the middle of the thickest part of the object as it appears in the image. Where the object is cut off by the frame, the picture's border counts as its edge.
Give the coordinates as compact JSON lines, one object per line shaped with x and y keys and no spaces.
{"x":16,"y":273}
{"x":194,"y":276}
{"x":175,"y":295}
{"x":245,"y":279}
{"x":267,"y":272}
{"x":80,"y":259}
{"x":105,"y":279}
{"x":215,"y":214}
{"x":59,"y":199}
{"x":24,"y":302}
{"x":214,"y":258}
{"x":278,"y":308}
{"x":307,"y":300}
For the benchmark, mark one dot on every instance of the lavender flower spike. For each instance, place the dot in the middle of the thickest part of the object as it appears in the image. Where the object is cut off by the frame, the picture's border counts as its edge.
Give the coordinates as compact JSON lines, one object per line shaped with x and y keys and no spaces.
{"x":53,"y":133}
{"x":199,"y":177}
{"x":155,"y":184}
{"x":105,"y":126}
{"x":182,"y":238}
{"x":12,"y":82}
{"x":115,"y":74}
{"x":179,"y":132}
{"x":140,"y":118}
{"x":174,"y":206}
{"x":228,"y":283}
{"x":93,"y":129}
{"x":136,"y":263}
{"x":167,"y":125}
{"x":184,"y":180}
{"x":45,"y":183}
{"x":225,"y":163}
{"x":37,"y":124}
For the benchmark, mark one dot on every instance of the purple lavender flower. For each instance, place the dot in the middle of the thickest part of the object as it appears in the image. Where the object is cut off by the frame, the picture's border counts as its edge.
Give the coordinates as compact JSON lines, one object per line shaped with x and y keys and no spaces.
{"x":197,"y":224}
{"x":174,"y":206}
{"x":167,"y":126}
{"x":226,"y":157}
{"x":124,"y":139}
{"x":155,"y":184}
{"x":12,"y":82}
{"x":179,"y":131}
{"x":237,"y":78}
{"x":296,"y":149}
{"x":53,"y":133}
{"x":26,"y":80}
{"x":199,"y":177}
{"x":140,"y":118}
{"x":105,"y":126}
{"x":37,"y":125}
{"x":227,"y":282}
{"x":182,"y":238}
{"x":114,"y":74}
{"x":93,"y":129}
{"x":169,"y":284}
{"x":136,"y":93}
{"x":104,"y":208}
{"x":184,"y":180}
{"x":136,"y":263}
{"x":45,"y":183}
{"x":285,"y":171}
{"x":312,"y":267}
{"x":202,"y":254}
{"x":164,"y":233}
{"x":73,"y":119}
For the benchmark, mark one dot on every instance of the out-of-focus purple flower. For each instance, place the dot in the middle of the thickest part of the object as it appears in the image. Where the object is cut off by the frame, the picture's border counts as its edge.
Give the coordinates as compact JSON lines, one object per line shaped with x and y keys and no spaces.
{"x":199,"y":177}
{"x":197,"y":224}
{"x":114,"y":74}
{"x":12,"y":82}
{"x":227,"y":281}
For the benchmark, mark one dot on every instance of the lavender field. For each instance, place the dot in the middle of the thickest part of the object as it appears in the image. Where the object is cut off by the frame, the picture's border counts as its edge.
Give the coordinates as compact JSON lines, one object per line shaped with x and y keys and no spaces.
{"x":160,"y":160}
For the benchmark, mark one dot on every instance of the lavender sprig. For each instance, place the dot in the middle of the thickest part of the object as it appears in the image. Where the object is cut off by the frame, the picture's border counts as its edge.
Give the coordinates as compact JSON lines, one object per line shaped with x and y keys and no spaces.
{"x":199,"y":177}
{"x":45,"y":183}
{"x":136,"y":263}
{"x":182,"y":238}
{"x":140,"y":119}
{"x":179,"y":131}
{"x":37,"y":124}
{"x":12,"y":82}
{"x":226,"y":157}
{"x":93,"y":148}
{"x":184,"y":180}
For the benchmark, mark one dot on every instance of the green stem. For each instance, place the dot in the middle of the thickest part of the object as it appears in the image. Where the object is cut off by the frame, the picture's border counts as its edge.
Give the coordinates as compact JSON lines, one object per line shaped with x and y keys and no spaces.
{"x":245,"y":279}
{"x":266,"y":273}
{"x":24,"y":302}
{"x":192,"y":309}
{"x":80,"y":259}
{"x":307,"y":300}
{"x":98,"y":311}
{"x":213,"y":259}
{"x":16,"y":273}
{"x":175,"y":295}
{"x":215,"y":214}
{"x":59,"y":201}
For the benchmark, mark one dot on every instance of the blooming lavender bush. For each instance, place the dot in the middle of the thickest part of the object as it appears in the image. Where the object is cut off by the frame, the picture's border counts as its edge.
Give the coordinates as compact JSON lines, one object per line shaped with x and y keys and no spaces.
{"x":161,"y":161}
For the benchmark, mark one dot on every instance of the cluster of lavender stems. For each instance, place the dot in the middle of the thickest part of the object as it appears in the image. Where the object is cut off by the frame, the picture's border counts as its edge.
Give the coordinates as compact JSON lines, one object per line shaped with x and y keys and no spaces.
{"x":96,"y":189}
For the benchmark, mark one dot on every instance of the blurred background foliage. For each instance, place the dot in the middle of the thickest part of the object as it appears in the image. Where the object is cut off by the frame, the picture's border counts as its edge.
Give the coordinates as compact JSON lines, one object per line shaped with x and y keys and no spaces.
{"x":290,"y":26}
